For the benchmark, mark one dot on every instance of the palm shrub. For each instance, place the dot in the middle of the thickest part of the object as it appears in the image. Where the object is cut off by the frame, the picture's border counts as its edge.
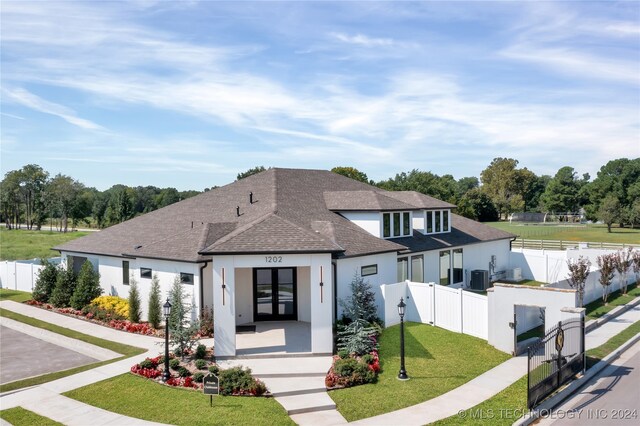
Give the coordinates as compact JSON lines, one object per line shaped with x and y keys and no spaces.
{"x":87,"y":287}
{"x":134,"y":301}
{"x":578,"y":274}
{"x":155,"y":306}
{"x":182,"y":330}
{"x":65,"y":286}
{"x":46,"y":281}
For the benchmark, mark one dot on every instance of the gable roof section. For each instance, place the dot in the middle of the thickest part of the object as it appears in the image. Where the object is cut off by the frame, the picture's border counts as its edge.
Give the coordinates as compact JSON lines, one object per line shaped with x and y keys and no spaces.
{"x":419,"y":200}
{"x":363,"y":201}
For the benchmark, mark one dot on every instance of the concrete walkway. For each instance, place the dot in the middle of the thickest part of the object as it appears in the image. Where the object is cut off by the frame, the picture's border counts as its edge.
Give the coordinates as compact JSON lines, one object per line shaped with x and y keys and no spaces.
{"x":45,"y":399}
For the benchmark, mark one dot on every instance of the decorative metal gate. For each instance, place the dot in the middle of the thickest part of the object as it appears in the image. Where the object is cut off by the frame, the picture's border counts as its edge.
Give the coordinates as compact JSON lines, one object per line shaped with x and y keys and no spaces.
{"x":555,"y":359}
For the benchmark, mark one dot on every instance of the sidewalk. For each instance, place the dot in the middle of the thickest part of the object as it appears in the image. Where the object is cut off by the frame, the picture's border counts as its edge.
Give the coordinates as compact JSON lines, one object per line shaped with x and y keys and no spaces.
{"x":45,"y":399}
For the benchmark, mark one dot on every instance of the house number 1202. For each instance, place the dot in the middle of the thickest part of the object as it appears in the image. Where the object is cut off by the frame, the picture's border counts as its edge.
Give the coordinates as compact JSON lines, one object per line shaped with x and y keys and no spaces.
{"x":273,"y":259}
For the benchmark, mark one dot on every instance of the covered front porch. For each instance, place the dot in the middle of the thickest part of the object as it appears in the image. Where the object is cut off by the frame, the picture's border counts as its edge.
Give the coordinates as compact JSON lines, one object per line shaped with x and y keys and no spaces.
{"x":267,"y":305}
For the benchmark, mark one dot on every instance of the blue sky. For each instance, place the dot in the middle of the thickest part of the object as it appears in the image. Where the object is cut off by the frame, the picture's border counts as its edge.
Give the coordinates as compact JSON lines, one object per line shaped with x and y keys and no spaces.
{"x":188,"y":94}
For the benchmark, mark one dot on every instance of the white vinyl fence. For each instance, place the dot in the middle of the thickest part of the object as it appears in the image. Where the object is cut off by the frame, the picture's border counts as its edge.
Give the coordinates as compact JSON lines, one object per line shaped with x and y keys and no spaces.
{"x":19,"y":275}
{"x":452,"y":309}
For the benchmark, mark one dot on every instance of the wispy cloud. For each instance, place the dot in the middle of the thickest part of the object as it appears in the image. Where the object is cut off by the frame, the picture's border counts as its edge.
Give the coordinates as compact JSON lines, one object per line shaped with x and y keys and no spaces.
{"x":363,"y":40}
{"x":32,"y":101}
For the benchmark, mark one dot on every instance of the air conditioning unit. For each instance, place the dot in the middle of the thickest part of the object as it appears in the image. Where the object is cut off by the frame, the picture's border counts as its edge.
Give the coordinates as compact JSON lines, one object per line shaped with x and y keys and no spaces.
{"x":514,"y":274}
{"x":479,"y":279}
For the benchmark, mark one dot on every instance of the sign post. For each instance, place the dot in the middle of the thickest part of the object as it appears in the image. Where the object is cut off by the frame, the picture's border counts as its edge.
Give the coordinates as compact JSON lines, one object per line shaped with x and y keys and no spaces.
{"x":210,"y":387}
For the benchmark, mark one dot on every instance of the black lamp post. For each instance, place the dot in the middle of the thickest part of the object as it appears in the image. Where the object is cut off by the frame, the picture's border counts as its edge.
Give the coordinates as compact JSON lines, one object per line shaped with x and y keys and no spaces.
{"x":166,"y":310}
{"x":402,"y":375}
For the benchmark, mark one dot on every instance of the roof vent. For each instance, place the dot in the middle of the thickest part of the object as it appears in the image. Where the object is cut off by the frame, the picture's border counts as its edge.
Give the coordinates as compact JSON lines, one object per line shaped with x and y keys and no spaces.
{"x":137,"y":247}
{"x":250,"y":197}
{"x":238,"y":211}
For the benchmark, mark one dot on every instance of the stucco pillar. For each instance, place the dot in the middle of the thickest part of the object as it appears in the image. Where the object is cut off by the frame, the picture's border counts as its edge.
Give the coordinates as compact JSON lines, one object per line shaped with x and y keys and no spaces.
{"x":224,"y":321}
{"x":321,"y":304}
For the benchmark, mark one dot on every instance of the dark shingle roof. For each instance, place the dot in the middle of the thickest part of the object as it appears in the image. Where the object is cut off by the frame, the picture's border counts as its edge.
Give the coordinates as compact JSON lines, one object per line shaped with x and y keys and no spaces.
{"x":291,"y":212}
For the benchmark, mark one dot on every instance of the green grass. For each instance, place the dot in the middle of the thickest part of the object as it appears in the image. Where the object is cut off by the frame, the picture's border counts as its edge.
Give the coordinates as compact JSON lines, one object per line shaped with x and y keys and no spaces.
{"x":510,"y":403}
{"x":437,"y":361}
{"x":597,"y":308}
{"x":524,"y":282}
{"x":587,"y":233}
{"x":15,"y":295}
{"x":534,"y":332}
{"x":126,"y":350}
{"x":24,"y":244}
{"x":19,"y":416}
{"x":158,"y":403}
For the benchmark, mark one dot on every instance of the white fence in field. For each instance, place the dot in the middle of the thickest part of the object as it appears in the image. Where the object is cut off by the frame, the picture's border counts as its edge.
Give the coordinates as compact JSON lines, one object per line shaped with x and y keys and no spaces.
{"x":449,"y":308}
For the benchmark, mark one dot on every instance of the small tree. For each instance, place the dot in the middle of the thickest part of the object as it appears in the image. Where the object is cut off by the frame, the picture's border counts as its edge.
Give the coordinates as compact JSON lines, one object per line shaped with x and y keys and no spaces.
{"x":65,"y":286}
{"x":360,"y":305}
{"x":607,"y":269}
{"x":622,"y":263}
{"x":46,"y":281}
{"x":636,"y":263}
{"x":134,"y":300}
{"x":155,"y":306}
{"x":87,"y":287}
{"x":609,"y":211}
{"x":182,"y":330}
{"x":578,"y":273}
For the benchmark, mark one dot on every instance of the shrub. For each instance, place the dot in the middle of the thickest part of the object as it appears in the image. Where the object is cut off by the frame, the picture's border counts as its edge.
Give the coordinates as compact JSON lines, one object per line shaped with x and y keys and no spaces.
{"x":134,"y":301}
{"x":362,"y":374}
{"x":206,"y":322}
{"x":201,"y":364}
{"x":183,"y":372}
{"x":198,"y":377}
{"x":87,"y":288}
{"x":357,"y":338}
{"x":236,"y":381}
{"x":46,"y":281}
{"x":116,"y":306}
{"x":155,"y":306}
{"x":182,"y":331}
{"x":174,"y":363}
{"x":214,"y":369}
{"x":361,"y":304}
{"x":343,"y":354}
{"x":201,"y":351}
{"x":65,"y":285}
{"x":147,"y":363}
{"x":345,"y":367}
{"x":367,"y":359}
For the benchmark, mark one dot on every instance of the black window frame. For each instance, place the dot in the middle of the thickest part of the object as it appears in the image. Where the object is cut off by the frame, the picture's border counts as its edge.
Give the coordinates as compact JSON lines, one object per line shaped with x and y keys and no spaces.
{"x":363,"y":268}
{"x":125,"y":272}
{"x":144,"y":273}
{"x":183,"y":275}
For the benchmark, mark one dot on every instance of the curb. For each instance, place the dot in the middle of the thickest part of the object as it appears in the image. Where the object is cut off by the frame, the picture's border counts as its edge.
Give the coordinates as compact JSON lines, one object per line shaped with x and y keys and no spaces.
{"x":593,"y":324}
{"x":574,"y":386}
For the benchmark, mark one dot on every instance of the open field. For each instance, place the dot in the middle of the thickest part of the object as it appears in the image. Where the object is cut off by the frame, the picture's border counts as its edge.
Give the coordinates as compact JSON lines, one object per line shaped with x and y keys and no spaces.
{"x":437,"y":361}
{"x":164,"y":404}
{"x":587,"y":233}
{"x":23,"y":244}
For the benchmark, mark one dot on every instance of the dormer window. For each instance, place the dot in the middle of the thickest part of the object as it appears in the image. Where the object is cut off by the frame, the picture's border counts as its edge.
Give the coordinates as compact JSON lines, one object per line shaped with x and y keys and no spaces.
{"x":396,"y":224}
{"x":437,"y":221}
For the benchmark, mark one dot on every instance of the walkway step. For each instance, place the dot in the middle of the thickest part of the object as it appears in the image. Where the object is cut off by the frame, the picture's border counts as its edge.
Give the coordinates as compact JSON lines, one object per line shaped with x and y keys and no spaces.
{"x":240,"y":355}
{"x":307,"y":403}
{"x":287,"y":386}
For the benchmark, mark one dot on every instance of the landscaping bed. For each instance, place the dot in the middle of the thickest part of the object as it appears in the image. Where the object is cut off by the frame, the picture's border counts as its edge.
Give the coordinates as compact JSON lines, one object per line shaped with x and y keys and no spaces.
{"x":437,"y":361}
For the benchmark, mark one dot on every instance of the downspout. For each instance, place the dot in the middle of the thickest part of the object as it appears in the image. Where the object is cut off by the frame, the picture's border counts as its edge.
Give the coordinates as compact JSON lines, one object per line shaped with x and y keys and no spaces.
{"x":511,"y":240}
{"x":202,"y":287}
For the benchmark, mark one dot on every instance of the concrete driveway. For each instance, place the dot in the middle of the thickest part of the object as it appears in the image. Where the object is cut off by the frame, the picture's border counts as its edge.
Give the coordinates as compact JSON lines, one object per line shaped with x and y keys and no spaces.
{"x":23,"y":356}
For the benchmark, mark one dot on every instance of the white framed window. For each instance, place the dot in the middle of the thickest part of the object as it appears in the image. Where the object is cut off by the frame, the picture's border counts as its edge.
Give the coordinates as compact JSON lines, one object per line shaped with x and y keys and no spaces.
{"x":417,"y":268}
{"x":403,"y":269}
{"x":437,"y":221}
{"x":396,"y":224}
{"x":451,"y":267}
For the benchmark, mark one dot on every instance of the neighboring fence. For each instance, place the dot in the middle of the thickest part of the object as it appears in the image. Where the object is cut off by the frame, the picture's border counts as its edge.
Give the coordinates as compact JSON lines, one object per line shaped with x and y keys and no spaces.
{"x":524,"y":243}
{"x":452,"y":309}
{"x":19,"y":275}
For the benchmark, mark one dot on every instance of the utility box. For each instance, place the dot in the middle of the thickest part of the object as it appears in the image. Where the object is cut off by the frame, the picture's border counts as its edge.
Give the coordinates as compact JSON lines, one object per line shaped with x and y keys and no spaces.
{"x":514,"y":274}
{"x":479,"y":279}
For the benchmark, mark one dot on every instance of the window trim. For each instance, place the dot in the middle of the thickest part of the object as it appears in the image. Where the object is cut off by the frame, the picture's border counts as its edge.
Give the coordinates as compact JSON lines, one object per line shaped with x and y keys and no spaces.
{"x":451,"y":273}
{"x":125,"y":275}
{"x":145,"y":273}
{"x":363,"y":268}
{"x":421,"y":257}
{"x":404,"y":260}
{"x":437,"y":226}
{"x":389,"y":217}
{"x":185,"y":274}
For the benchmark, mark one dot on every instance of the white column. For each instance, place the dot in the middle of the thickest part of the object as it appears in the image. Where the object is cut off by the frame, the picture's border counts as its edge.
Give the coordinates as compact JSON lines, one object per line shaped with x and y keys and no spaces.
{"x":321,"y":304}
{"x":224,"y":321}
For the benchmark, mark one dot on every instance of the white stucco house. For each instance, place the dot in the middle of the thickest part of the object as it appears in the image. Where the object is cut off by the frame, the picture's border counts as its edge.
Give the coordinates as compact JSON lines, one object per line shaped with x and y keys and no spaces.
{"x":284,"y":245}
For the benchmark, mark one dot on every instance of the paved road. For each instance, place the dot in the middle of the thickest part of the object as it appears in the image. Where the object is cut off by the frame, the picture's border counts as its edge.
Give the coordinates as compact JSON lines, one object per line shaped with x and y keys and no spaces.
{"x":611,"y":398}
{"x":23,"y":356}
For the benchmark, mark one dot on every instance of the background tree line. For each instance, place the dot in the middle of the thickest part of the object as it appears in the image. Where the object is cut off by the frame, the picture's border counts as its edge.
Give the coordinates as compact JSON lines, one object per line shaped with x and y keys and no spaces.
{"x":30,"y":196}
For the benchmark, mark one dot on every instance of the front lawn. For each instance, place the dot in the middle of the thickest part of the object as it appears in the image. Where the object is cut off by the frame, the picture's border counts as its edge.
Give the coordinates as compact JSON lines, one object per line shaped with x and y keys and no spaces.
{"x":19,"y":416}
{"x":597,"y":308}
{"x":15,"y":295}
{"x":437,"y":361}
{"x":158,"y":403}
{"x":24,"y":244}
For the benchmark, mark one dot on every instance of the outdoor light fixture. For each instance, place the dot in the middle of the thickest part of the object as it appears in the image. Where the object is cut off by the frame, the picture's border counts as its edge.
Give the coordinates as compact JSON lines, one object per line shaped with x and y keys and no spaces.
{"x":402,"y":374}
{"x":166,"y":310}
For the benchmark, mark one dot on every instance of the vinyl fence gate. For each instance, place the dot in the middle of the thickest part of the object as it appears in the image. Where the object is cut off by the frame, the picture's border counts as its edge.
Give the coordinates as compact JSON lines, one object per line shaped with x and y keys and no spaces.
{"x":554,"y":360}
